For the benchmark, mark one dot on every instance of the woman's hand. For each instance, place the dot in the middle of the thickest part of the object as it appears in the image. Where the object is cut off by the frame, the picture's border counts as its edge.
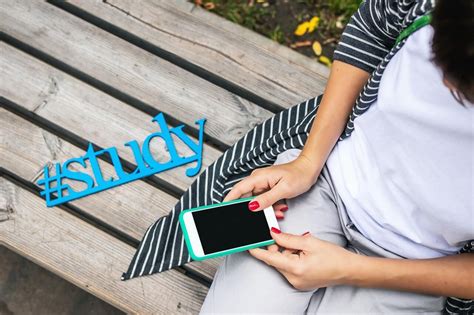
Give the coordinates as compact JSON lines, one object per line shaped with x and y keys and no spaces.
{"x":275,"y":183}
{"x":309,"y":263}
{"x":306,"y":262}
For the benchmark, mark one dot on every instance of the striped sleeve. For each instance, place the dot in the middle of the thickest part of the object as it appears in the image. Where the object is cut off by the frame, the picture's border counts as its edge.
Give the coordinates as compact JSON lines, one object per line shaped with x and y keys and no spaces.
{"x":370,"y":34}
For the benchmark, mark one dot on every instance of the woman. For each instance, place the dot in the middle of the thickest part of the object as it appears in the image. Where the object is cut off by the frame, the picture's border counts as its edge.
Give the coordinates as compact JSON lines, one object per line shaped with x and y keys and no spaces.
{"x":399,"y":186}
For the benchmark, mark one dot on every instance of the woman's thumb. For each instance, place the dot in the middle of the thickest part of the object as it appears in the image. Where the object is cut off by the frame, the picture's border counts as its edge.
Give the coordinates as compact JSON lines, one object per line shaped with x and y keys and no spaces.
{"x":266,"y":199}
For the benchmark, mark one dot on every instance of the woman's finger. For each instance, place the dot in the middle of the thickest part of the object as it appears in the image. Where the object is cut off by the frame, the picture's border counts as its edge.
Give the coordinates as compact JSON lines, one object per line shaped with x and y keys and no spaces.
{"x":246,"y":185}
{"x":279,"y":215}
{"x":275,"y":259}
{"x":289,"y":251}
{"x":259,"y":190}
{"x":280,"y":206}
{"x":290,"y":240}
{"x":268,"y":198}
{"x":246,"y":195}
{"x":273,"y":248}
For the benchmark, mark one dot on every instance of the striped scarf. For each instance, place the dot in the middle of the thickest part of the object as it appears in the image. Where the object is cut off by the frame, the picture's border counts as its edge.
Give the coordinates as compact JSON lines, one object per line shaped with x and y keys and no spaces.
{"x":163,"y":245}
{"x":368,"y":42}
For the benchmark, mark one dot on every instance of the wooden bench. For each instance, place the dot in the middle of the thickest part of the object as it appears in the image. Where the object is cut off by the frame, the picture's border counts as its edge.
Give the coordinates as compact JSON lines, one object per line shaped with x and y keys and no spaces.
{"x":91,"y":71}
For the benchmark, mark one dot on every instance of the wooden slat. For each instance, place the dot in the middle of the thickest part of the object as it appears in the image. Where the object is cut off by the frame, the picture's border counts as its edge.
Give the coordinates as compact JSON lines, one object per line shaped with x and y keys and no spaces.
{"x":129,"y":69}
{"x":236,"y":54}
{"x":131,"y":208}
{"x":88,"y":257}
{"x":237,"y":31}
{"x":85,"y":111}
{"x":26,"y":149}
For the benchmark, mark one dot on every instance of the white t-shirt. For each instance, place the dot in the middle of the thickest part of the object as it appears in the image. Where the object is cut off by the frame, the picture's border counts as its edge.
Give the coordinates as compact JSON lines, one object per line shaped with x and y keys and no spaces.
{"x":406,"y":172}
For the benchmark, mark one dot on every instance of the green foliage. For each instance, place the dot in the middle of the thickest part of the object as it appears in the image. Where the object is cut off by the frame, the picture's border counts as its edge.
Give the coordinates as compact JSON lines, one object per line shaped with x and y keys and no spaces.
{"x":278,"y":19}
{"x":277,"y":35}
{"x":343,"y":8}
{"x":240,"y":12}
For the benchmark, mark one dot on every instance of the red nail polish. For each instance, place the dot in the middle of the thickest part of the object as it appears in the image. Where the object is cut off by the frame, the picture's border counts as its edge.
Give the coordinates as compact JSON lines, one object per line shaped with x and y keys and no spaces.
{"x":279,"y":217}
{"x":305,"y":233}
{"x":275,"y":230}
{"x":284,"y":208}
{"x":253,"y":205}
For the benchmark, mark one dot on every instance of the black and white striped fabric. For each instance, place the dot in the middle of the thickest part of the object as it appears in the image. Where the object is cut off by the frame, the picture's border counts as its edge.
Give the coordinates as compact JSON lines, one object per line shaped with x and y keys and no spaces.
{"x":163,"y":245}
{"x":456,"y":305}
{"x":368,"y":42}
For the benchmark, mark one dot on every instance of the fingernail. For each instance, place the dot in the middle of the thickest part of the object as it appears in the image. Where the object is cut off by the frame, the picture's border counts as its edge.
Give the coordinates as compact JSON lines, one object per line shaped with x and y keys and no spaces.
{"x":275,"y":230}
{"x":284,"y":208}
{"x":279,"y":217}
{"x":253,"y":205}
{"x":305,"y":233}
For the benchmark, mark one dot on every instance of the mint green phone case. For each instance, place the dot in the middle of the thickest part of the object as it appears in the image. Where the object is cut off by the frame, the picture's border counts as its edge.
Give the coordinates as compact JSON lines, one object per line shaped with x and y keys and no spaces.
{"x":225,"y":252}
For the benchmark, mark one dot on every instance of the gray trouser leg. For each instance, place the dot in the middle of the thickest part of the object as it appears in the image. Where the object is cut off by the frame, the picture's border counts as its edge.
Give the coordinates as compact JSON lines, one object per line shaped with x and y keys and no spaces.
{"x":244,"y":284}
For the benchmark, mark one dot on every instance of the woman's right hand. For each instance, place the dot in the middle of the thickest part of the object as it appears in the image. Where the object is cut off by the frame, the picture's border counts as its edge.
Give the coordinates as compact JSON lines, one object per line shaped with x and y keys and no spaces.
{"x":275,"y":183}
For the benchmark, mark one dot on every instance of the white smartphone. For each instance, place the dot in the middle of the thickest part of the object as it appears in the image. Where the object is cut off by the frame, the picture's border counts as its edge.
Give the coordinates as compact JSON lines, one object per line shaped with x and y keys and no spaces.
{"x":226,"y":228}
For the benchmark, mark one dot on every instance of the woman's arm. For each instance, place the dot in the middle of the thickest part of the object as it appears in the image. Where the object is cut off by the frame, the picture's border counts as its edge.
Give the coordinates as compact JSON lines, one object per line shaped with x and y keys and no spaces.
{"x":365,"y":41}
{"x":344,"y":85}
{"x":446,"y":276}
{"x":312,"y":263}
{"x":291,"y":179}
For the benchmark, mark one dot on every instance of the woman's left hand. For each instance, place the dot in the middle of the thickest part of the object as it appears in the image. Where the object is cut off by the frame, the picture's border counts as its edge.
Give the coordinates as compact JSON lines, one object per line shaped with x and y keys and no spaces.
{"x":307,"y":262}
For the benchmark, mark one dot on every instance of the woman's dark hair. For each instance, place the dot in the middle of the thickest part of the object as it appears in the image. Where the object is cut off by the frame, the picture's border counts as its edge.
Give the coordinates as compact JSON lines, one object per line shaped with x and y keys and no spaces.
{"x":453,"y":43}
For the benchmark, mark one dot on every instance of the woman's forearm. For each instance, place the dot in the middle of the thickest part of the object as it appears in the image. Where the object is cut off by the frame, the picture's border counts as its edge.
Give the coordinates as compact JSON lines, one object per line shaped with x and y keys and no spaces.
{"x":446,"y":276}
{"x":343,"y":87}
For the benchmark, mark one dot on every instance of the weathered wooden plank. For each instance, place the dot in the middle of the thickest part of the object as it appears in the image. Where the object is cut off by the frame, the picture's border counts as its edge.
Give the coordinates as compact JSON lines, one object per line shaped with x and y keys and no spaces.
{"x":130,"y":69}
{"x":88,"y":257}
{"x":250,"y":36}
{"x":238,"y":55}
{"x":84,"y":111}
{"x":130,"y":209}
{"x":26,"y":149}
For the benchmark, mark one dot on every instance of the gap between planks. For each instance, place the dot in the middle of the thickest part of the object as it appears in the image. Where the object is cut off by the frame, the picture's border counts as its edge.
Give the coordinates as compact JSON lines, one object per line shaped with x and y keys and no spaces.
{"x":88,"y":257}
{"x":114,"y":64}
{"x":271,"y":71}
{"x":126,"y":210}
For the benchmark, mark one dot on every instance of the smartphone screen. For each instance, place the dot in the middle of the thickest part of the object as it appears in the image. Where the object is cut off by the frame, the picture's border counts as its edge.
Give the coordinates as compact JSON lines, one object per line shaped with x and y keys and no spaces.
{"x":230,"y":226}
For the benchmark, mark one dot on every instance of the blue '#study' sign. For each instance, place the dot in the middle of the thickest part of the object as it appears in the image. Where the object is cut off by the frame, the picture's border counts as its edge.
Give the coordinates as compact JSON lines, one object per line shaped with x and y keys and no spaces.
{"x":56,"y":191}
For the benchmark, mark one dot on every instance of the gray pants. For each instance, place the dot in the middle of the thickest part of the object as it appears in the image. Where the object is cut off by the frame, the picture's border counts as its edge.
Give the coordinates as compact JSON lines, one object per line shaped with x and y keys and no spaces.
{"x":244,"y":284}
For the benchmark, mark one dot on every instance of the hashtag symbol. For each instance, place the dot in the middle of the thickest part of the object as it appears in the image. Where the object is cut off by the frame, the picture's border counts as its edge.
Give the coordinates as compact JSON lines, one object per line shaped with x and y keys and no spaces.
{"x":53,"y":186}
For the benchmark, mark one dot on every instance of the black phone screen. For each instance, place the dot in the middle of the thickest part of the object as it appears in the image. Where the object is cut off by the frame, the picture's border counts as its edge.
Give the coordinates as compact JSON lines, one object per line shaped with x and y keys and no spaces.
{"x":230,"y":226}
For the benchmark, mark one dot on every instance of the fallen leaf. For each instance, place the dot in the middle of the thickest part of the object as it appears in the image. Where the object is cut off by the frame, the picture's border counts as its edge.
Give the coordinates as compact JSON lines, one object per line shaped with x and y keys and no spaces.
{"x":329,"y":40}
{"x":313,"y":24}
{"x":317,"y":49}
{"x":307,"y":26}
{"x":325,"y":60}
{"x":209,"y":5}
{"x":339,"y":23}
{"x":301,"y":29}
{"x":301,"y":44}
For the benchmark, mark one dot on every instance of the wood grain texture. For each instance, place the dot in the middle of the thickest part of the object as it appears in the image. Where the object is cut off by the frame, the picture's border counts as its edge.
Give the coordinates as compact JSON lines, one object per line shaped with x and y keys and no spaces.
{"x":25,"y":149}
{"x":248,"y":35}
{"x":129,"y":69}
{"x":236,"y":54}
{"x":87,"y":112}
{"x":88,"y":257}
